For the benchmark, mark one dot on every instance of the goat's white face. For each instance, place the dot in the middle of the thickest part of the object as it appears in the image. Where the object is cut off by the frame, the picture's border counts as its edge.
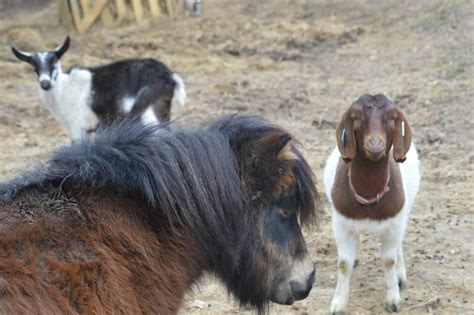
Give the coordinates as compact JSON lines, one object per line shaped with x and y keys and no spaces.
{"x":46,"y":64}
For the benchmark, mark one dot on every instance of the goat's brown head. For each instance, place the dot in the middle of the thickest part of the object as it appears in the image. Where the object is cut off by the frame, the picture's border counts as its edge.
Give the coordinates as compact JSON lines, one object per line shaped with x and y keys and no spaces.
{"x":370,"y":126}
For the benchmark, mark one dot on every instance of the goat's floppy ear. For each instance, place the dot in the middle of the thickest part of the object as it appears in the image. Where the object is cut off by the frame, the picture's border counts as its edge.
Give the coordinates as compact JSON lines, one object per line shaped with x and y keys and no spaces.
{"x":60,"y":50}
{"x":345,"y":137}
{"x":401,"y":138}
{"x":23,"y":56}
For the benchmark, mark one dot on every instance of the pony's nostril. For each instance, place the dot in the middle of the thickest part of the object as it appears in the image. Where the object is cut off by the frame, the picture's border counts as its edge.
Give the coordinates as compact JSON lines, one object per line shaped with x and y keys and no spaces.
{"x":300,"y":289}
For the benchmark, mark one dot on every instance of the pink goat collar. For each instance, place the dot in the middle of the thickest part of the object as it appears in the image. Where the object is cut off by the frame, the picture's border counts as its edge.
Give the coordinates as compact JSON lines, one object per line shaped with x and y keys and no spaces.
{"x":369,"y":200}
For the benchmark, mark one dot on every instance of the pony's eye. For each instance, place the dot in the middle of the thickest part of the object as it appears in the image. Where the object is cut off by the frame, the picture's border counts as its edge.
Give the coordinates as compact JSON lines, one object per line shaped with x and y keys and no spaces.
{"x":285,"y":213}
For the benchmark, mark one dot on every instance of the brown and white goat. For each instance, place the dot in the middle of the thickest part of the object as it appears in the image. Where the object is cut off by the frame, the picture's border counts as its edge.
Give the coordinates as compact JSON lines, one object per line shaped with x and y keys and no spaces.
{"x":370,"y":191}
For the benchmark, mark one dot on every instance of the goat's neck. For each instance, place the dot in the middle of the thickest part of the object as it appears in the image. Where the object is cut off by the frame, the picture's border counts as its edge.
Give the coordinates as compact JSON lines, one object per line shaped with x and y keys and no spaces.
{"x":69,"y":100}
{"x":368,"y":177}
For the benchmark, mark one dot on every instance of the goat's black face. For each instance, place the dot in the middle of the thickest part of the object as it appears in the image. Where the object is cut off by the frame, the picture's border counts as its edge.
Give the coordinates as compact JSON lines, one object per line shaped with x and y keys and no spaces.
{"x":45,"y":64}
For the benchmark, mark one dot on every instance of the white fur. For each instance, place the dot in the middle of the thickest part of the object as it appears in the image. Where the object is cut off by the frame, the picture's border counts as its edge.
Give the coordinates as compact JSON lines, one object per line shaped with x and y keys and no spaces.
{"x":70,"y":99}
{"x":149,"y":117}
{"x":43,"y":55}
{"x":390,"y":231}
{"x":44,"y":77}
{"x":179,"y":93}
{"x":127,"y":104}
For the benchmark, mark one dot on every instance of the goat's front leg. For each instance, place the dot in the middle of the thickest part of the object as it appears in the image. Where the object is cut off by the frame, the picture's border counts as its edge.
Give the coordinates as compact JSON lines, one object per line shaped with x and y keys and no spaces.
{"x":401,"y":271}
{"x":347,"y":244}
{"x":391,"y":244}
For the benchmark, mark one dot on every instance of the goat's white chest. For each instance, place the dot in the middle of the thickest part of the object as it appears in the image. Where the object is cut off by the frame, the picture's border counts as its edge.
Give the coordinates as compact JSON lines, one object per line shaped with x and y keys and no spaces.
{"x":367,"y":225}
{"x":70,"y":102}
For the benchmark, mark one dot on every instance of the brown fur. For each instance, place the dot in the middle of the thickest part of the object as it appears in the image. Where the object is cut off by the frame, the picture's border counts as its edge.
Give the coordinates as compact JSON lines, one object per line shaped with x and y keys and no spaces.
{"x":104,"y":263}
{"x":389,"y":263}
{"x":162,"y":108}
{"x":367,"y":184}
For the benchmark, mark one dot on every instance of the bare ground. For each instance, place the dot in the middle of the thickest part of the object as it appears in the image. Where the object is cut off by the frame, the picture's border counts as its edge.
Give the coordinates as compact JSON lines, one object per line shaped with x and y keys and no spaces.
{"x":299,"y":65}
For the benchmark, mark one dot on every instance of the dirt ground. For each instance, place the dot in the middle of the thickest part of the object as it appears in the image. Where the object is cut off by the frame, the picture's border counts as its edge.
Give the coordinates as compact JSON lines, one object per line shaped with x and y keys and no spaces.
{"x":298,"y":64}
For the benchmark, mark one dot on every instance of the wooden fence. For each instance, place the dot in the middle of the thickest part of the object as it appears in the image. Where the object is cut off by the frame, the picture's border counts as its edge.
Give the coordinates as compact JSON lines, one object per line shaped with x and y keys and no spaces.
{"x":85,"y":13}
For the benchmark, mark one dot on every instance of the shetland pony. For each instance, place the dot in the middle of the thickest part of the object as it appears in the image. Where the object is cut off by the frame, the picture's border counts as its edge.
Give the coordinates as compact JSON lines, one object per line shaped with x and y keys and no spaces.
{"x":127,"y":221}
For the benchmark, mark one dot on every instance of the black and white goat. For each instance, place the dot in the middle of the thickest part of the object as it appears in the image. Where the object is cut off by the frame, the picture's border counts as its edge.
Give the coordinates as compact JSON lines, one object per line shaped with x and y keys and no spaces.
{"x":82,"y":97}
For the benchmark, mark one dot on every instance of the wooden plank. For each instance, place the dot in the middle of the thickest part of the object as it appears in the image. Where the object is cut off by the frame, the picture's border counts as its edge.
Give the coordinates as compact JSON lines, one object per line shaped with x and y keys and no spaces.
{"x":121,"y":8}
{"x":65,"y":15}
{"x":86,"y":7}
{"x":155,"y":7}
{"x":88,"y":20}
{"x":170,"y":6}
{"x":106,"y":16}
{"x":76,"y":13}
{"x":138,"y":10}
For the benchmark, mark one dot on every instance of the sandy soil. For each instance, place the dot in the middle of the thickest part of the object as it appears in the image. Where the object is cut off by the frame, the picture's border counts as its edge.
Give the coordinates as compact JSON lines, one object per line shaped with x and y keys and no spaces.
{"x":299,"y":65}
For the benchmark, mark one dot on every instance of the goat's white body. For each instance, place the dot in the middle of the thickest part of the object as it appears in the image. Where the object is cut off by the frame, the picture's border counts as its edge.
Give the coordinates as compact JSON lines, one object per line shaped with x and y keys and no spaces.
{"x":70,"y":99}
{"x":127,"y":104}
{"x":390,"y":231}
{"x":179,"y":93}
{"x":149,"y":117}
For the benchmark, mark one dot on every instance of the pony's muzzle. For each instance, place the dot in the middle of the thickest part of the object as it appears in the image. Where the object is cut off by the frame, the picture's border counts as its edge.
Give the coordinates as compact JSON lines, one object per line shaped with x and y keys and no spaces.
{"x":301,"y":289}
{"x":298,"y":285}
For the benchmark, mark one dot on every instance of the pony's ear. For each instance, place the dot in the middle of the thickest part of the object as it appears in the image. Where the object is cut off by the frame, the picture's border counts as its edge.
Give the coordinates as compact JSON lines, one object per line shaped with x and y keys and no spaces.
{"x":21,"y":55}
{"x":60,"y":50}
{"x":285,"y":153}
{"x":345,"y":137}
{"x":401,"y":138}
{"x":276,"y":145}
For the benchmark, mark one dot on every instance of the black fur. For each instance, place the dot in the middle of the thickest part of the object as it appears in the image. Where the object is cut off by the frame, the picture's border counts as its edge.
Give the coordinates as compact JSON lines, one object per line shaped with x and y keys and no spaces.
{"x":148,"y":80}
{"x":242,"y":130}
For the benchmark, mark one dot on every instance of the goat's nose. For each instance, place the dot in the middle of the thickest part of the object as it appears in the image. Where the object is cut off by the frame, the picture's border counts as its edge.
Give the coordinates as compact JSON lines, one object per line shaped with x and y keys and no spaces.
{"x":376,"y":144}
{"x":45,"y":84}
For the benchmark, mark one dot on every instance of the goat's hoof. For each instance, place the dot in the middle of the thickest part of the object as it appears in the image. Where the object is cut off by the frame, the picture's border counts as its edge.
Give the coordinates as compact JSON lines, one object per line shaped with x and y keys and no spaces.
{"x":338,"y":307}
{"x":392,"y":307}
{"x":356,"y":263}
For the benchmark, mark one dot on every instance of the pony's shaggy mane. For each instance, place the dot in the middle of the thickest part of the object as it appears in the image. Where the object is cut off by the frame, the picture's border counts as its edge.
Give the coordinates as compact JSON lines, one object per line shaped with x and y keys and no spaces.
{"x":189,"y":174}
